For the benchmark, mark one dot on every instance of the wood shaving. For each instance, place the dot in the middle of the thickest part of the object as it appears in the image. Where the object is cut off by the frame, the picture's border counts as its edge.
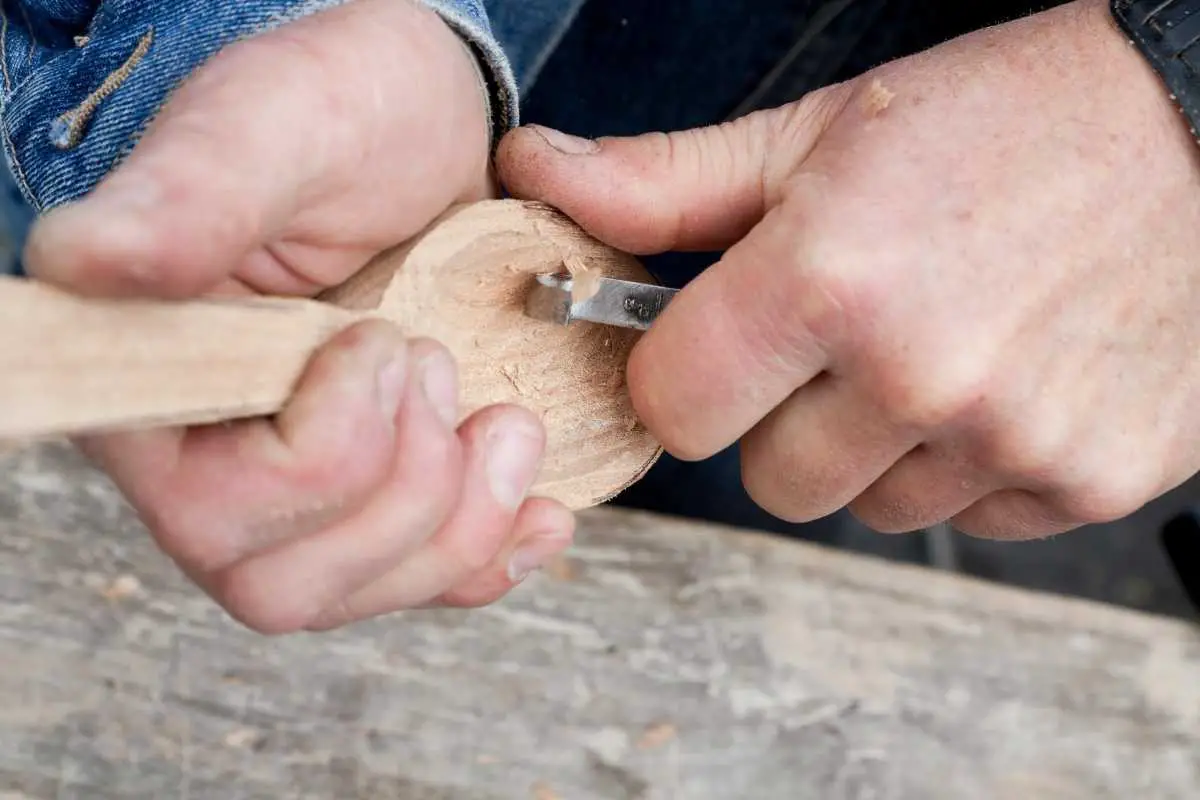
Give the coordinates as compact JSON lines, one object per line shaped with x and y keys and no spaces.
{"x":877,"y":98}
{"x":657,"y":735}
{"x":486,"y":759}
{"x":585,"y":280}
{"x":122,"y":587}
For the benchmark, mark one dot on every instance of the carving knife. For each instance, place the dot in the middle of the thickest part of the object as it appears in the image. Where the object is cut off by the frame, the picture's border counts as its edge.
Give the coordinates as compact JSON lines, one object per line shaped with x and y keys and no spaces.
{"x":563,"y":299}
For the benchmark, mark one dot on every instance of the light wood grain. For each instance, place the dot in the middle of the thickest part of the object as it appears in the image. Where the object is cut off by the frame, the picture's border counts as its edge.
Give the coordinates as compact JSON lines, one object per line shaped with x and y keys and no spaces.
{"x":75,"y":365}
{"x":661,"y":660}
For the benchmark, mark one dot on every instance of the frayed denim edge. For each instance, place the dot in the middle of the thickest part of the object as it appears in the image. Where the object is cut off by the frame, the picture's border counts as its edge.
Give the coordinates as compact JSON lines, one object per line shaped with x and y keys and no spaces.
{"x":500,"y":82}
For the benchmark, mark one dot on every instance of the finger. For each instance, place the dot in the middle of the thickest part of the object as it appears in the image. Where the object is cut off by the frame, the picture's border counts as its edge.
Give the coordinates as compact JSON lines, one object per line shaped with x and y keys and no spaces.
{"x":285,"y":587}
{"x":540,"y":530}
{"x":700,"y":189}
{"x":751,"y":329}
{"x":819,"y":450}
{"x":1012,"y":515}
{"x":217,"y":171}
{"x":734,"y":344}
{"x":213,"y":495}
{"x":503,"y":448}
{"x":925,"y":488}
{"x":543,"y":531}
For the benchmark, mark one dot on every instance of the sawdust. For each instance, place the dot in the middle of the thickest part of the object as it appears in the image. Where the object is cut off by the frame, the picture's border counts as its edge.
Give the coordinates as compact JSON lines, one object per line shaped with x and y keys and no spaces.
{"x":877,"y":98}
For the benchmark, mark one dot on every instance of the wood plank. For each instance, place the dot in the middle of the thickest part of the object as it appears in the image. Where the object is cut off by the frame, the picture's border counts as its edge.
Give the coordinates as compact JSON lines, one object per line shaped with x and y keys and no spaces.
{"x":662,"y":660}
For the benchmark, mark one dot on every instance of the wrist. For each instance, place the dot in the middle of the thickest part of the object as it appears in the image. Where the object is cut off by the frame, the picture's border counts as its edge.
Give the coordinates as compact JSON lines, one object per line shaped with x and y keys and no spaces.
{"x":467,"y":20}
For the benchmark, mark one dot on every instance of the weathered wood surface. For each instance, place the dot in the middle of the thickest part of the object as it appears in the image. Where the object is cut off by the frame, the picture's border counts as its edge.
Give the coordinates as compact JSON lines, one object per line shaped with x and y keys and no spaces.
{"x":664,"y":660}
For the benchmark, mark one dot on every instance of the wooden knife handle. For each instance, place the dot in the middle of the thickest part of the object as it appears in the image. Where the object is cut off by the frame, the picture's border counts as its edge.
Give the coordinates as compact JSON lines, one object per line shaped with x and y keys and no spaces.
{"x":70,"y":365}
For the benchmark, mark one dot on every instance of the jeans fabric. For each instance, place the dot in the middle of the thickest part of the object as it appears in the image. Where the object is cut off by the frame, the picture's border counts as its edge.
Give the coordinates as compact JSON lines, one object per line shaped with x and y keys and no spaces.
{"x":81,"y":78}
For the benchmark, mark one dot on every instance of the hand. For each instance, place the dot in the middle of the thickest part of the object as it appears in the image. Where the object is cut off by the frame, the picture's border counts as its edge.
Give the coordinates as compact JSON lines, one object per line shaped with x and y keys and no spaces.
{"x":281,"y":167}
{"x":962,"y":287}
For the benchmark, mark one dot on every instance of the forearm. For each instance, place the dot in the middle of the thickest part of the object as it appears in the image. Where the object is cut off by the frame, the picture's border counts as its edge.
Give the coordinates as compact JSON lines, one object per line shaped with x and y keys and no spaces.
{"x":78,"y":92}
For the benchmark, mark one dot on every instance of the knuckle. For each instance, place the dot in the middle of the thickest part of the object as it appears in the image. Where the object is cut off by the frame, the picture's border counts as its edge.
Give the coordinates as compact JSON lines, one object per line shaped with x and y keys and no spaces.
{"x":1113,"y":496}
{"x":469,"y":551}
{"x":199,"y":549}
{"x":1013,"y":516}
{"x":431,"y":479}
{"x":773,"y":477}
{"x":1025,"y":446}
{"x":914,"y":398}
{"x":888,"y":511}
{"x":826,"y":298}
{"x":249,"y":601}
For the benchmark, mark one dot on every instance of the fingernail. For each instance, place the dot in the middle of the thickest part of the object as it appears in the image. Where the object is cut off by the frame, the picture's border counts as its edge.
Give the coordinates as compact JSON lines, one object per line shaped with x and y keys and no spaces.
{"x":532,"y":555}
{"x":439,"y":382}
{"x":565,"y":143}
{"x":392,"y":379}
{"x":513,"y":457}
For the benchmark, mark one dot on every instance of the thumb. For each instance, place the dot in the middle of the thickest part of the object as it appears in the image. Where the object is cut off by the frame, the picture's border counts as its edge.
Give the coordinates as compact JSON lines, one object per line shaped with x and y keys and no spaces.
{"x":218,"y":170}
{"x":693,"y":190}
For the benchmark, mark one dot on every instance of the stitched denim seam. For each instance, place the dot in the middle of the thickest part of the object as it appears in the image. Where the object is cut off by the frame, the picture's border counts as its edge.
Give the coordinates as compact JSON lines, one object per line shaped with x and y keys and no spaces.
{"x":4,"y":48}
{"x":272,"y":21}
{"x":498,"y":72}
{"x":18,"y":173}
{"x":73,"y":122}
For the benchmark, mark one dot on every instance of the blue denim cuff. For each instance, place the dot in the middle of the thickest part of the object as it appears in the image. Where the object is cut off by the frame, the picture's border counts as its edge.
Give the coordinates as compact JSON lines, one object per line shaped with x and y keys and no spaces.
{"x":81,"y":79}
{"x":469,"y":19}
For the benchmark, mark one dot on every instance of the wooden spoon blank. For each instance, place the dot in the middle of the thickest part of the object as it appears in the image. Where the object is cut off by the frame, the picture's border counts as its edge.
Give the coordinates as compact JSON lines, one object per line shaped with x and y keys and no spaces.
{"x":73,"y":365}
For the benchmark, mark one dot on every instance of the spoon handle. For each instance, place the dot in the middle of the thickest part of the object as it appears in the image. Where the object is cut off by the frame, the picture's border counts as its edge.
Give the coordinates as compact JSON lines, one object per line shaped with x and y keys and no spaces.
{"x":72,"y":365}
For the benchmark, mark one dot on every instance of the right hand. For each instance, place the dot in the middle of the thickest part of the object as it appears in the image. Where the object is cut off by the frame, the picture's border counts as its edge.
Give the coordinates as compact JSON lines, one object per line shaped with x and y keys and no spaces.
{"x":281,"y":167}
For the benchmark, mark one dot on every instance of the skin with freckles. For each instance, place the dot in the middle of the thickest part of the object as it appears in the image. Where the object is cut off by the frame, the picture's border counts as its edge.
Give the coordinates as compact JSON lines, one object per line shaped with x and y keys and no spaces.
{"x":362,"y":497}
{"x":961,"y":287}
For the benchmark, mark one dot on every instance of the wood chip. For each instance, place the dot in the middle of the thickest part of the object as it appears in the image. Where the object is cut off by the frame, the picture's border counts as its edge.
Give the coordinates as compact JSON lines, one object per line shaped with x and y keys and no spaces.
{"x":657,"y":735}
{"x":542,"y":791}
{"x":585,"y":280}
{"x":561,"y":568}
{"x":122,"y":587}
{"x":877,"y":98}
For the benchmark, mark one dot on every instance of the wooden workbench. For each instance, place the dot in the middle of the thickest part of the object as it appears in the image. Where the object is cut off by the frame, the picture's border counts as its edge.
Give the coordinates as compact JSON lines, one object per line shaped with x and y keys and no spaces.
{"x":664,"y":660}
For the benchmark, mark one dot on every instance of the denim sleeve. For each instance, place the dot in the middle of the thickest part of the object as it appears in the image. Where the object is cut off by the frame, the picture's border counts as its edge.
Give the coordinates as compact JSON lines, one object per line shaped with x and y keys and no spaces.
{"x":81,"y":78}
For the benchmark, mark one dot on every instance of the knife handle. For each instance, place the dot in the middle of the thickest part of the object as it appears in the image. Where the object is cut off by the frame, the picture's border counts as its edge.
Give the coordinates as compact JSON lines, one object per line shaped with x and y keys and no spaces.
{"x":71,"y":365}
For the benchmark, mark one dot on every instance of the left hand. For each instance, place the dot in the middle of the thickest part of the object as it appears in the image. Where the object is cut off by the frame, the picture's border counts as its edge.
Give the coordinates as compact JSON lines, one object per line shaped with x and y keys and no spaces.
{"x":964,"y":287}
{"x":281,"y":167}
